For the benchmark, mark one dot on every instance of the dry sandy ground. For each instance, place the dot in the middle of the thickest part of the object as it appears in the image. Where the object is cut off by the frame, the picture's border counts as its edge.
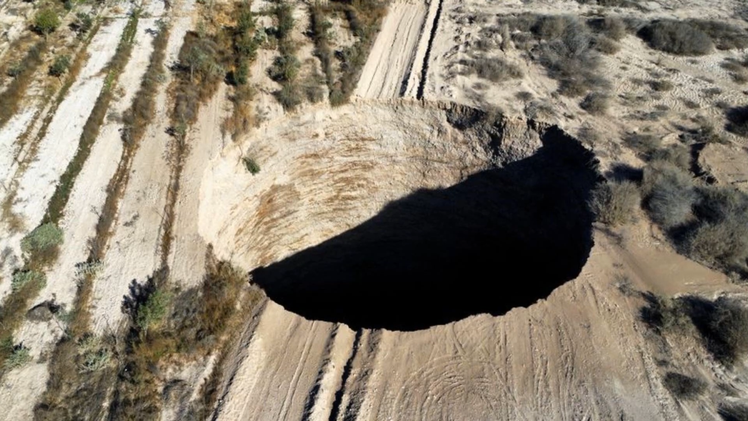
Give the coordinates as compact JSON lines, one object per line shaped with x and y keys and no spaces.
{"x":37,"y":182}
{"x":78,"y":225}
{"x":134,"y":250}
{"x":543,"y":362}
{"x":580,"y":354}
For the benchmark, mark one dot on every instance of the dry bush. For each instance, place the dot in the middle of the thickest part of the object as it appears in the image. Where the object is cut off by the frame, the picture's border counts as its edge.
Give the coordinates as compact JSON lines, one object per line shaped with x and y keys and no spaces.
{"x":676,"y":37}
{"x":12,"y":96}
{"x":724,"y":35}
{"x":552,"y":26}
{"x":664,"y":314}
{"x":677,"y":155}
{"x":609,"y":26}
{"x":669,"y":194}
{"x":662,"y":85}
{"x":733,"y":411}
{"x":615,"y":203}
{"x":364,"y":20}
{"x":720,"y":238}
{"x":596,"y":103}
{"x":493,"y":69}
{"x":737,"y":119}
{"x":682,"y":386}
{"x":723,"y":325}
{"x":572,"y":60}
{"x":643,"y":144}
{"x":606,"y":45}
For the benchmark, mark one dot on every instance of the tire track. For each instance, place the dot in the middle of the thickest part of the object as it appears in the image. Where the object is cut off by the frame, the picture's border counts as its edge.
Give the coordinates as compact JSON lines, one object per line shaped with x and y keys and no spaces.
{"x":427,"y":57}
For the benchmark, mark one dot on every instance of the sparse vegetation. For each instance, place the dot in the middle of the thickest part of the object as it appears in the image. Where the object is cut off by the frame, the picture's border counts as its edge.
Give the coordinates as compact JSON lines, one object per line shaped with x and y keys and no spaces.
{"x":615,"y":203}
{"x":23,"y":277}
{"x":245,"y":41}
{"x":676,"y":37}
{"x":724,"y":35}
{"x":364,"y":20}
{"x":494,"y":69}
{"x":23,"y":74}
{"x":196,"y":322}
{"x":19,"y":356}
{"x":82,"y":24}
{"x":569,"y":55}
{"x":42,"y":244}
{"x":682,"y":386}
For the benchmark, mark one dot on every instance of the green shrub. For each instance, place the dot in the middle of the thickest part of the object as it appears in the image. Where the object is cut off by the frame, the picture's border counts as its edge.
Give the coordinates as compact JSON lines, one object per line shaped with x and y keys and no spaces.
{"x":676,"y":37}
{"x":46,"y":21}
{"x":18,"y":357}
{"x":82,"y":24}
{"x":285,"y":68}
{"x":615,"y":203}
{"x":25,"y":277}
{"x":251,"y":165}
{"x":14,"y":69}
{"x":288,"y":96}
{"x":60,"y":66}
{"x":682,"y":386}
{"x":42,"y":239}
{"x":151,"y":313}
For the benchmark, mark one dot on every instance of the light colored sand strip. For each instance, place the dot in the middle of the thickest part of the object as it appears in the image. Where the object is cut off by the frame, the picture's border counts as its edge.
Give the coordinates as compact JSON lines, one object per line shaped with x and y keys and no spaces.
{"x":134,"y":248}
{"x":187,"y":257}
{"x":392,"y":56}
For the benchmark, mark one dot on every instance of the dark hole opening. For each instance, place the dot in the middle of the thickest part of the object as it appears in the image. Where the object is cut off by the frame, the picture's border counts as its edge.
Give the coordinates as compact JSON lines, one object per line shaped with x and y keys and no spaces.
{"x":502,"y":238}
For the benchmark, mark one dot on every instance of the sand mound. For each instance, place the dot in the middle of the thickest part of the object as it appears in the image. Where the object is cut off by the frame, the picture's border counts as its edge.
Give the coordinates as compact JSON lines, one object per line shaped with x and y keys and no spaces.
{"x":403,"y":206}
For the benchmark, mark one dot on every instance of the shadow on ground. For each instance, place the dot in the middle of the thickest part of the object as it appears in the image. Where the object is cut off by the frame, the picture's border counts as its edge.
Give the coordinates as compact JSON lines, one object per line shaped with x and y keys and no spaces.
{"x":500,"y":239}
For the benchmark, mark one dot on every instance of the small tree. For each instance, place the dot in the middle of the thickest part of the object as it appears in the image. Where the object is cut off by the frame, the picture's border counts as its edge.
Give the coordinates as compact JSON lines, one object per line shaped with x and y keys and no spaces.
{"x":46,"y":22}
{"x":60,"y":66}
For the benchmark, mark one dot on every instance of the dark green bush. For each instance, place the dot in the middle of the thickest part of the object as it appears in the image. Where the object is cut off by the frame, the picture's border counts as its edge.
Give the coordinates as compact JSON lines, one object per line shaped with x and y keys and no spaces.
{"x":60,"y":66}
{"x":251,"y":165}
